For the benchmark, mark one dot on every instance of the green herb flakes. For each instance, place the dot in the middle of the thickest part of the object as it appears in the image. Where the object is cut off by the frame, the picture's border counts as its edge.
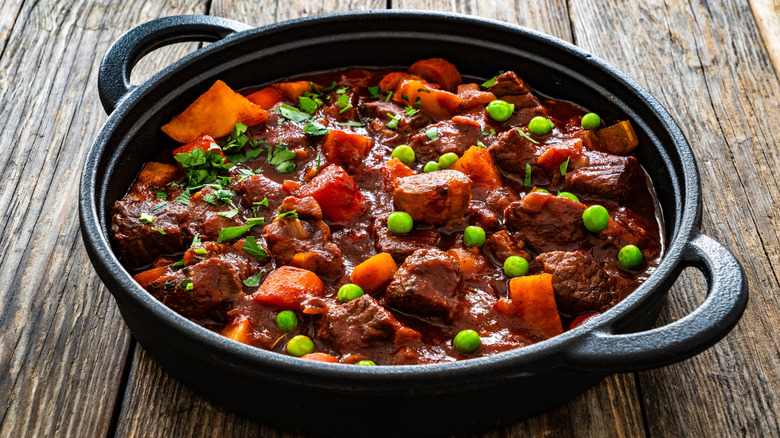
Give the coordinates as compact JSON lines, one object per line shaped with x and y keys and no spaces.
{"x":146,"y":218}
{"x":252,"y":248}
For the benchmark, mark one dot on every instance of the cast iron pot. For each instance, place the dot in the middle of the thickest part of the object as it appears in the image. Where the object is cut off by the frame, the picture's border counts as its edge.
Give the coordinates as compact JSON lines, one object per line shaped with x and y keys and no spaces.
{"x":459,"y":397}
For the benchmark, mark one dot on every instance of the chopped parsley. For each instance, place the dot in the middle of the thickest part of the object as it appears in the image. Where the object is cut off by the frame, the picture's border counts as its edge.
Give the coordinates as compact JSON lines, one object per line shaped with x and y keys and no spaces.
{"x":159,"y":230}
{"x":202,"y":166}
{"x":252,"y":248}
{"x":187,"y":284}
{"x":146,"y":218}
{"x":354,"y":124}
{"x":200,"y":251}
{"x":490,"y":82}
{"x":389,"y":95}
{"x":230,"y":233}
{"x":432,"y":133}
{"x":411,"y":111}
{"x":343,"y":101}
{"x":263,"y":203}
{"x":308,"y":104}
{"x":525,"y":136}
{"x":565,"y":166}
{"x":229,"y":213}
{"x":159,"y":194}
{"x":314,"y":128}
{"x":280,"y":153}
{"x":292,"y":113}
{"x":184,"y":198}
{"x":195,"y":241}
{"x":394,"y":119}
{"x":374,"y":91}
{"x":491,"y":132}
{"x":254,"y":280}
{"x":158,"y":205}
{"x":237,"y":139}
{"x":345,"y":109}
{"x":527,"y":179}
{"x":283,"y":214}
{"x":286,"y":167}
{"x":482,"y":145}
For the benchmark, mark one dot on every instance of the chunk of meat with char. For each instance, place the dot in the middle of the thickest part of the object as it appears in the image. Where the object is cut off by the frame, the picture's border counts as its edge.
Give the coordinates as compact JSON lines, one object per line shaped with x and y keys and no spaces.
{"x":473,"y":96}
{"x":511,"y":152}
{"x":305,"y":208}
{"x":546,"y":222}
{"x":278,"y":128}
{"x":510,"y":88}
{"x":341,"y":108}
{"x":205,"y":218}
{"x":140,"y":242}
{"x":304,"y":244}
{"x":378,"y":112}
{"x":258,"y":187}
{"x":401,"y":246}
{"x":214,"y":286}
{"x":435,"y":198}
{"x":628,"y":228}
{"x":502,"y":245}
{"x":246,"y":265}
{"x":455,"y":135}
{"x":580,"y":283}
{"x":608,"y":176}
{"x":428,"y":283}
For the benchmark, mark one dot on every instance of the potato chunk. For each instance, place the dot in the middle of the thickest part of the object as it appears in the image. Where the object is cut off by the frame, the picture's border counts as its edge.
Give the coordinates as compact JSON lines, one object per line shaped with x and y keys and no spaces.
{"x":435,"y":198}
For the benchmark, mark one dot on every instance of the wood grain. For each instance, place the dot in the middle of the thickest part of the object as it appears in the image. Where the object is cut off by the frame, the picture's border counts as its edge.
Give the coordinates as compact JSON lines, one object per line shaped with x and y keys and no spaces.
{"x":706,"y":64}
{"x":767,"y":16}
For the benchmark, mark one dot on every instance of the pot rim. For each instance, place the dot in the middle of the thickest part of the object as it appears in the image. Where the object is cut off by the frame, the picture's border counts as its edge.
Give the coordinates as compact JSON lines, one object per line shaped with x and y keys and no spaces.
{"x":521,"y":361}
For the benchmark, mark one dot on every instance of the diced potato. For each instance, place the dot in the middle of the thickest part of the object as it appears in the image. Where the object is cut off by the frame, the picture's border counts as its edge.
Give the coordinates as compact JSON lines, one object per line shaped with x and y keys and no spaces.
{"x":533,"y":300}
{"x":478,"y":164}
{"x":336,"y":192}
{"x":471,"y":260}
{"x":147,"y":277}
{"x":287,"y":287}
{"x":438,"y":71}
{"x":375,"y":273}
{"x":618,"y":139}
{"x":214,"y":113}
{"x":293,"y":90}
{"x":156,"y":174}
{"x":436,"y":103}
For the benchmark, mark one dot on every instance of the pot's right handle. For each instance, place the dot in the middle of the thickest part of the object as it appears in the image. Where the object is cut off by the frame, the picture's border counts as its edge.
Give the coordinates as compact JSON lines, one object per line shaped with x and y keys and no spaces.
{"x":114,"y":77}
{"x":727,"y":297}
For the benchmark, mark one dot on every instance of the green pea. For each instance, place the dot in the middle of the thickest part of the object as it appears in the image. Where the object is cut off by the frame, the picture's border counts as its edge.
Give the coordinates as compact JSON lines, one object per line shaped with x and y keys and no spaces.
{"x":474,"y":236}
{"x":630,"y":257}
{"x":467,"y":341}
{"x":431,"y":166}
{"x":500,"y":110}
{"x":300,"y":345}
{"x":595,"y":218}
{"x":515,"y":266}
{"x":568,"y":195}
{"x":286,"y":320}
{"x":447,"y":160}
{"x":366,"y":363}
{"x":399,"y":222}
{"x":540,"y":126}
{"x":591,"y":121}
{"x":404,"y":153}
{"x":349,"y":292}
{"x":540,"y":190}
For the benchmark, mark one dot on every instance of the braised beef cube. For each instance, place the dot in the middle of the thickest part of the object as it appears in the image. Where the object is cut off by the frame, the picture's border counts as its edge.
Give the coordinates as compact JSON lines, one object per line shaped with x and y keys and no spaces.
{"x":473,"y":96}
{"x":154,"y":178}
{"x":401,"y":246}
{"x":611,"y":178}
{"x":305,"y":208}
{"x":502,"y":245}
{"x":346,"y":149}
{"x":579,"y":282}
{"x":359,"y":324}
{"x":304,"y":244}
{"x":246,"y":264}
{"x":511,"y":152}
{"x":434,"y":198}
{"x":375,"y":117}
{"x":428,"y":283}
{"x":510,"y":88}
{"x":479,"y":214}
{"x":288,"y":132}
{"x":141,"y":239}
{"x":205,"y":219}
{"x":203,"y":292}
{"x":451,"y":136}
{"x":341,"y":104}
{"x":628,"y":228}
{"x":546,"y":222}
{"x":257,"y":188}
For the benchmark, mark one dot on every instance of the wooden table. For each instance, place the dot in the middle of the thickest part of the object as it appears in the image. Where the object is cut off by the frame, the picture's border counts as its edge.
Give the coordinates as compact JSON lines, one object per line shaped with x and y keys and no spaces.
{"x":69,"y":366}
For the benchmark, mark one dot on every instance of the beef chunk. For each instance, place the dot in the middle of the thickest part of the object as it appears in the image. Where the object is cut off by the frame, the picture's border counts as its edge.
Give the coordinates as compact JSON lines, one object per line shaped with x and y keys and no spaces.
{"x":428,"y":283}
{"x":434,"y":198}
{"x":579,"y":282}
{"x":205,"y":218}
{"x":502,"y":245}
{"x":546,"y":222}
{"x":607,"y":176}
{"x":378,"y":112}
{"x":359,"y":324}
{"x":479,"y":214}
{"x":628,"y":228}
{"x":510,"y":88}
{"x":335,"y":104}
{"x":401,"y":246}
{"x":305,"y":208}
{"x":473,"y":96}
{"x":140,"y":242}
{"x":245,"y":264}
{"x":215,"y":284}
{"x":452,"y":136}
{"x":287,"y":132}
{"x":258,"y":187}
{"x":511,"y":152}
{"x":304,"y":244}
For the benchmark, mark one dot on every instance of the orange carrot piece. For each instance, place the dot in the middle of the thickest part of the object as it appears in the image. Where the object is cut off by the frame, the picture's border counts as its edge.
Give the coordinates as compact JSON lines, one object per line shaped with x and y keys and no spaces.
{"x":203,"y":142}
{"x":148,"y":276}
{"x":618,"y":139}
{"x":396,"y":169}
{"x":336,"y":192}
{"x":478,"y":164}
{"x":342,"y":147}
{"x":533,"y":300}
{"x":155,"y":174}
{"x":439,"y":71}
{"x":471,"y":263}
{"x":375,"y":273}
{"x":306,"y":260}
{"x":214,"y":113}
{"x":320,"y":357}
{"x":472,"y":96}
{"x":266,"y":98}
{"x":238,"y":330}
{"x":287,"y":287}
{"x":293,"y":90}
{"x":437,"y":103}
{"x":553,"y":157}
{"x":391,"y":80}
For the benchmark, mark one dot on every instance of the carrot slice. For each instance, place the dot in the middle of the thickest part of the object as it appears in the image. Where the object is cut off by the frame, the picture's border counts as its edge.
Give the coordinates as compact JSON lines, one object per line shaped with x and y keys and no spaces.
{"x":439,"y":71}
{"x":478,"y":164}
{"x":320,"y":357}
{"x":375,"y":273}
{"x":437,"y":103}
{"x":266,"y":98}
{"x":533,"y":300}
{"x":238,"y":330}
{"x":287,"y":287}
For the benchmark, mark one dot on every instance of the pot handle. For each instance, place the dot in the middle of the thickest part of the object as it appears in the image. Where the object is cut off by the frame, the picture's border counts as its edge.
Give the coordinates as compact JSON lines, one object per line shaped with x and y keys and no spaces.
{"x":114,"y":76}
{"x":727,"y":296}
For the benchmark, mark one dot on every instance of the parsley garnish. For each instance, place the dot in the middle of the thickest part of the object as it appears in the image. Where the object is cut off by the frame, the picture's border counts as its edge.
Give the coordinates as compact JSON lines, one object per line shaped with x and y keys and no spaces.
{"x":432,"y":133}
{"x":230,"y":233}
{"x":160,"y":231}
{"x":525,"y":136}
{"x":176,"y":266}
{"x":159,"y":194}
{"x":229,"y":213}
{"x":195,"y":241}
{"x":286,"y":167}
{"x":237,"y":139}
{"x":489,"y":83}
{"x":527,"y":179}
{"x":389,"y":95}
{"x":146,"y":218}
{"x":355,"y":124}
{"x":200,"y":251}
{"x":283,"y":214}
{"x":184,"y":198}
{"x":374,"y":91}
{"x":314,"y":128}
{"x":411,"y":111}
{"x":342,"y":90}
{"x":308,"y":104}
{"x":293,"y":113}
{"x":158,"y":205}
{"x":332,"y":86}
{"x":280,"y":153}
{"x":482,"y":145}
{"x":565,"y":166}
{"x":263,"y":203}
{"x":201,"y":165}
{"x":394,"y":119}
{"x":252,"y":248}
{"x":254,"y":280}
{"x":345,"y":109}
{"x":343,"y":101}
{"x":187,"y":284}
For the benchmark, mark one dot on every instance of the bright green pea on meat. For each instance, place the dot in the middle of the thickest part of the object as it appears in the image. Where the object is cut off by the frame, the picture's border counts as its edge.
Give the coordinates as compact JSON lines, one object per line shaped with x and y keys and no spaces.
{"x":404,"y":153}
{"x":568,"y":195}
{"x":399,"y":222}
{"x":431,"y":166}
{"x":500,"y":110}
{"x":515,"y":266}
{"x":540,"y":126}
{"x":474,"y":236}
{"x":286,"y":320}
{"x":447,"y":160}
{"x":300,"y":345}
{"x":591,"y":121}
{"x":595,"y":218}
{"x":466,"y":341}
{"x":630,"y":257}
{"x":349,"y":292}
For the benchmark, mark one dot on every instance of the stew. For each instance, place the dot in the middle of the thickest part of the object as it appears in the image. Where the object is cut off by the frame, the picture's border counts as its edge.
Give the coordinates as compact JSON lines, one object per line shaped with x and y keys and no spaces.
{"x":390,"y":216}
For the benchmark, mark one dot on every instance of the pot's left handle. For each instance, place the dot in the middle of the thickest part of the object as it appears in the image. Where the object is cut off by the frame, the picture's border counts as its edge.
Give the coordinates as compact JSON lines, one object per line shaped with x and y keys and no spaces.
{"x":114,"y":77}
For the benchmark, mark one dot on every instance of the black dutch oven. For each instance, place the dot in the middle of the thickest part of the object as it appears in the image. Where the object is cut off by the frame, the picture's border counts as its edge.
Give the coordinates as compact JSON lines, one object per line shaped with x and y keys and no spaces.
{"x":458,"y":397}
